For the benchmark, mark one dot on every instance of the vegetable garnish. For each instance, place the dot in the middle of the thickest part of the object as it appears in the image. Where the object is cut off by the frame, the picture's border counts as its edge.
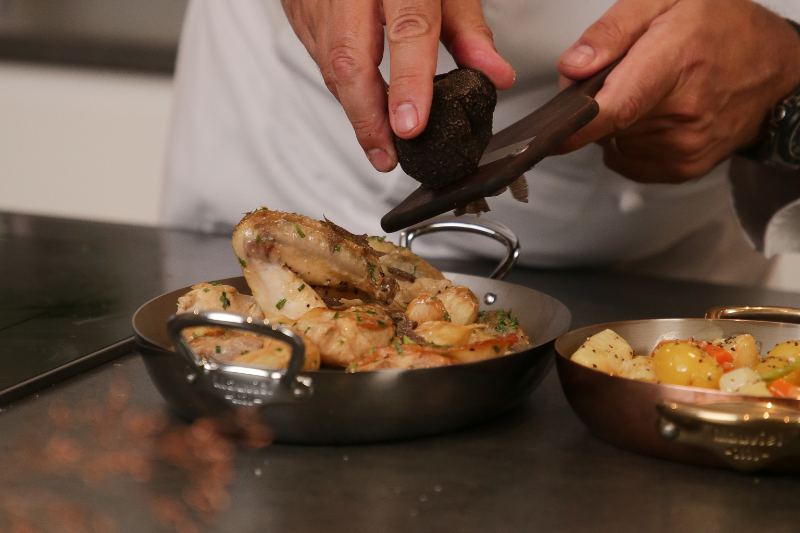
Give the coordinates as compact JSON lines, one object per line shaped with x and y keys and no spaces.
{"x":224,"y":300}
{"x":217,"y":349}
{"x":337,"y":248}
{"x":372,"y":272}
{"x":406,"y":340}
{"x":206,"y":290}
{"x":298,"y":230}
{"x":242,"y":262}
{"x":281,"y":303}
{"x":301,"y":287}
{"x":780,"y":372}
{"x":783,"y":389}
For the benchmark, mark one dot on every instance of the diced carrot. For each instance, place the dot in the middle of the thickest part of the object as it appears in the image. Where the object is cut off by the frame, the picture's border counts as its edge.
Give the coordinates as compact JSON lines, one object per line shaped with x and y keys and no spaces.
{"x":783,"y":389}
{"x":723,"y":356}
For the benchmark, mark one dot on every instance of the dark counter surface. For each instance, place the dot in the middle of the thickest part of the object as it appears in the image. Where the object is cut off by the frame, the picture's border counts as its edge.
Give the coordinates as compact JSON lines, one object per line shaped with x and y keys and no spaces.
{"x":70,"y":288}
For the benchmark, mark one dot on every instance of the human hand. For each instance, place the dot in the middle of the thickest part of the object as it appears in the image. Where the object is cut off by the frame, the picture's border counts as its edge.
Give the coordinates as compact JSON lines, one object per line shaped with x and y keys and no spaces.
{"x":345,"y":38}
{"x":697,"y":82}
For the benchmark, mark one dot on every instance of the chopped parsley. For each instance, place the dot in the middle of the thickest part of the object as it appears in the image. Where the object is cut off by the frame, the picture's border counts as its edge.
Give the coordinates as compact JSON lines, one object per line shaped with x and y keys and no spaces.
{"x":281,"y":303}
{"x":245,"y":352}
{"x":414,"y":271}
{"x":195,"y":336}
{"x":258,"y":238}
{"x":381,"y":323}
{"x":372,"y":272}
{"x":337,"y":248}
{"x":224,"y":300}
{"x":278,"y":349}
{"x":217,"y":349}
{"x":398,"y":347}
{"x":215,"y":284}
{"x":336,"y":314}
{"x":407,"y":340}
{"x":341,"y":341}
{"x":308,"y":328}
{"x":446,"y":316}
{"x":358,"y":317}
{"x":242,"y":262}
{"x":298,"y":230}
{"x":381,"y":239}
{"x":369,"y":312}
{"x":301,"y":287}
{"x":496,"y":349}
{"x":206,"y":290}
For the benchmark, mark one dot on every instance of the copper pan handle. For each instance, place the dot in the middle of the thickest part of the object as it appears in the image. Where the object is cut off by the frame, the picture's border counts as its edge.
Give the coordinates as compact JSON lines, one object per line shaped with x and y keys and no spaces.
{"x":495,"y":230}
{"x":241,"y":384}
{"x":748,"y":435}
{"x":768,"y":314}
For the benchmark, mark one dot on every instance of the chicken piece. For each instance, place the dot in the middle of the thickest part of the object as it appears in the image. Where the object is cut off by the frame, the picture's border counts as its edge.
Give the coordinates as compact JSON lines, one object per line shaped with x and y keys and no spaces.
{"x":461,"y":305}
{"x":345,"y":336}
{"x":443,"y":333}
{"x":276,"y":354}
{"x":407,"y":291}
{"x":499,"y":323}
{"x":216,"y":297}
{"x":426,"y":308}
{"x":487,"y":349}
{"x":404,"y":260}
{"x":228,"y":346}
{"x":401,"y":357}
{"x":282,"y":252}
{"x":223,"y":345}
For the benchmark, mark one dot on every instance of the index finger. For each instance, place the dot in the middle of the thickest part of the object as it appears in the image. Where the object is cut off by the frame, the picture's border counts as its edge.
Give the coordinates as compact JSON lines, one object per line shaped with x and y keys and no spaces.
{"x":412,"y":28}
{"x":353,"y":51}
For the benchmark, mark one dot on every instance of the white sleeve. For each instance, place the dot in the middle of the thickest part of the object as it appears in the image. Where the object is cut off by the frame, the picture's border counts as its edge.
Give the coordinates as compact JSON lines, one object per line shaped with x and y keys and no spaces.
{"x":767,"y":201}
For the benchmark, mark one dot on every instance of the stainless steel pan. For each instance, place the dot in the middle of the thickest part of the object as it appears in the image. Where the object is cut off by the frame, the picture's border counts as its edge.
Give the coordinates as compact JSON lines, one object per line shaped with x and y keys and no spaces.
{"x":687,"y":424}
{"x":330,"y":406}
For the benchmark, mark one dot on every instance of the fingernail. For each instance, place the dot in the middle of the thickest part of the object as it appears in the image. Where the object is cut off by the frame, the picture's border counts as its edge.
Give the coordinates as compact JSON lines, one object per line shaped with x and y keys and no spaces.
{"x":380,"y":160}
{"x":579,"y":57}
{"x":405,"y":118}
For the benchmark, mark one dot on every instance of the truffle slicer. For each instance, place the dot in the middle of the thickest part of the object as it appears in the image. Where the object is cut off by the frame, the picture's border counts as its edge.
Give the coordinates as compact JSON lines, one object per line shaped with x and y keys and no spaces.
{"x":511,"y":152}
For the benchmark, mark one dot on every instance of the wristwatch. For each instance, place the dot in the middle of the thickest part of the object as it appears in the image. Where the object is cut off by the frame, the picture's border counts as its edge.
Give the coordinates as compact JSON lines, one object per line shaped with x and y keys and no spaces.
{"x":781,"y":146}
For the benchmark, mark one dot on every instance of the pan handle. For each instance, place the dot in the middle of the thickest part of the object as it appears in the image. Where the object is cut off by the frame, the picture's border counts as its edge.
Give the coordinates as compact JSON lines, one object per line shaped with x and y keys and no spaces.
{"x":496,"y":230}
{"x":238,"y":383}
{"x":770,"y":314}
{"x":748,"y":435}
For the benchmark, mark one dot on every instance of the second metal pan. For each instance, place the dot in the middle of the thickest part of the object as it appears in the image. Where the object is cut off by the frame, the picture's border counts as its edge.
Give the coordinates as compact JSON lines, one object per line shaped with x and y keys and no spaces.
{"x":330,"y":406}
{"x":687,"y":424}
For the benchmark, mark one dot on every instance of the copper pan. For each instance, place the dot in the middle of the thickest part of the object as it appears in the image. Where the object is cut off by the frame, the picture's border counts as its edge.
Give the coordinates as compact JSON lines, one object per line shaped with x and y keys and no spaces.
{"x":688,"y":424}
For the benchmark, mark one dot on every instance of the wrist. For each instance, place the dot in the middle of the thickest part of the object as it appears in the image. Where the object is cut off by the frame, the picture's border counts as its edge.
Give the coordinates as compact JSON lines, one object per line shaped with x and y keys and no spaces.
{"x":778,"y":140}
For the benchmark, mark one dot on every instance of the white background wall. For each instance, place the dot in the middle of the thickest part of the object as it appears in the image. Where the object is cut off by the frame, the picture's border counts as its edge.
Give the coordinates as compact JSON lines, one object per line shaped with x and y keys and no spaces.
{"x":83,"y":144}
{"x":91,"y":145}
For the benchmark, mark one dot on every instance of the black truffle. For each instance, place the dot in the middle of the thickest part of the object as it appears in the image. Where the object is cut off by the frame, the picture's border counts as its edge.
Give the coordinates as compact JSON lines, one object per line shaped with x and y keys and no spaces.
{"x":458,"y":130}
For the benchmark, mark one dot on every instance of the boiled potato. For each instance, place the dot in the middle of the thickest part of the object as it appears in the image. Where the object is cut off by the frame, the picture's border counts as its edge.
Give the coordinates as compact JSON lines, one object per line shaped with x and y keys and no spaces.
{"x":683,"y":363}
{"x":736,"y":379}
{"x":640,"y":367}
{"x":743,"y":348}
{"x":604,"y":351}
{"x":755,"y":389}
{"x":789,"y":350}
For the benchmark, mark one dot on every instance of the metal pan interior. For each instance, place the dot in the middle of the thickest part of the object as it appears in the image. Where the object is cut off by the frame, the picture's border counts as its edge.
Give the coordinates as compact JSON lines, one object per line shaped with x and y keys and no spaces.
{"x":623,"y":411}
{"x":377,"y":406}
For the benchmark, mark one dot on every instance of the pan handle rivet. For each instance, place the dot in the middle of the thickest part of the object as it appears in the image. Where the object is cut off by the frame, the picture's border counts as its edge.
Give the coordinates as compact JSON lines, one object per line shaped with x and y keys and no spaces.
{"x":669,"y":431}
{"x":190,"y":378}
{"x":489,"y":298}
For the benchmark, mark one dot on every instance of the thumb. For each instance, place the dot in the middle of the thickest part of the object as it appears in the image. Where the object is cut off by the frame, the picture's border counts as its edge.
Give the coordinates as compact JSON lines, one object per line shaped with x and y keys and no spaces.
{"x":610,"y":37}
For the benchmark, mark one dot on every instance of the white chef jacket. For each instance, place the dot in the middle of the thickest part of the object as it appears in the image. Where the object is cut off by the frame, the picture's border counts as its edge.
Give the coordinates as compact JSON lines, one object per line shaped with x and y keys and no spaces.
{"x":255,"y":125}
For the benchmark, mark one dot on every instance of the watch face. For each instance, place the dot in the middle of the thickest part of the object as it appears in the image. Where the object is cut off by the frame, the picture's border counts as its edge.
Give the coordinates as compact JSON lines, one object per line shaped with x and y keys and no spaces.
{"x":794,"y":145}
